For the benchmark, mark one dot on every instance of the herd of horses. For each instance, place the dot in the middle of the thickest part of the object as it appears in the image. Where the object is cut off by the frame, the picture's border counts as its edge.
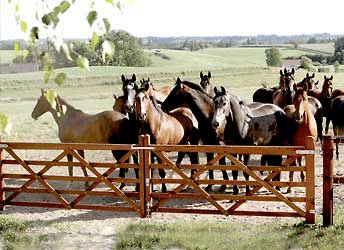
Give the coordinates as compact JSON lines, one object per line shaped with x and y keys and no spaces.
{"x":192,"y":114}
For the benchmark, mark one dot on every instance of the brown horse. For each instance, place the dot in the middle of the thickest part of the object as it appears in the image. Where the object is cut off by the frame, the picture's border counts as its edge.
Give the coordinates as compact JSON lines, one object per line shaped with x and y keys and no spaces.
{"x":159,"y":94}
{"x":174,"y":127}
{"x":75,"y":126}
{"x":303,"y":119}
{"x":284,"y":95}
{"x":309,"y":82}
{"x":206,"y":84}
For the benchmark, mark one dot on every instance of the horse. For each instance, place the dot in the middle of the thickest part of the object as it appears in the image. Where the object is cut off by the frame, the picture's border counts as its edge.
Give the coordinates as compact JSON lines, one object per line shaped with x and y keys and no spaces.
{"x":75,"y":126}
{"x":304,"y":123}
{"x":206,"y":84}
{"x":309,"y":82}
{"x":265,"y":94}
{"x":284,"y":95}
{"x":336,"y":116}
{"x":159,"y":94}
{"x":256,"y":124}
{"x":193,"y":96}
{"x":174,"y":127}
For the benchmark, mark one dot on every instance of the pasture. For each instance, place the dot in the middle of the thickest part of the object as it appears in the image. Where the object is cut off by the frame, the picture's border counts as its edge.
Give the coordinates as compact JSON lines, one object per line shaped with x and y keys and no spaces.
{"x":240,"y":70}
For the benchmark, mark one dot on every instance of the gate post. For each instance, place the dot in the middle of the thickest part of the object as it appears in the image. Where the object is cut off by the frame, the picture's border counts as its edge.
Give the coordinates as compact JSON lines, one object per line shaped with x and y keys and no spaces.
{"x":2,"y":182}
{"x":148,"y":174}
{"x":327,"y":149}
{"x":310,"y":182}
{"x":142,"y":179}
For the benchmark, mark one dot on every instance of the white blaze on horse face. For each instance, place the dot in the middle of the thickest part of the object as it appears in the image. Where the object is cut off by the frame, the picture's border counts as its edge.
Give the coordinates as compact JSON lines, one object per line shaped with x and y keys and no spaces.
{"x":220,"y":114}
{"x":140,"y":106}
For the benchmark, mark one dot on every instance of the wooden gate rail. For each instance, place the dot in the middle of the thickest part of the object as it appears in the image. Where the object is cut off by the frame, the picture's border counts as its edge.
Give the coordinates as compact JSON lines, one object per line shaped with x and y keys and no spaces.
{"x":328,"y":177}
{"x":146,"y":200}
{"x":42,"y":177}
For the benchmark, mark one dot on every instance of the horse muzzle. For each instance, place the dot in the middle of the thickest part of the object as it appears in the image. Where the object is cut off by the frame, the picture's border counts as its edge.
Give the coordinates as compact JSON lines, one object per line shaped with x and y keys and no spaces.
{"x":141,"y":116}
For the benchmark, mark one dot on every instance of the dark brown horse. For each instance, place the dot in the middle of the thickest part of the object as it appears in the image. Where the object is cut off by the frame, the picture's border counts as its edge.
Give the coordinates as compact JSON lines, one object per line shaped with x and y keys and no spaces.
{"x":193,"y":96}
{"x":159,"y":94}
{"x":336,"y":116}
{"x":284,"y":95}
{"x":75,"y":126}
{"x":125,"y":103}
{"x":255,"y":124}
{"x":174,"y":127}
{"x":207,"y":84}
{"x":304,"y":122}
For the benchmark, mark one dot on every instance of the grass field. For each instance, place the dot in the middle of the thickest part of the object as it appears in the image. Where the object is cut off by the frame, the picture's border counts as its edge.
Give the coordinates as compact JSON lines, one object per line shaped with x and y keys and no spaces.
{"x":241,"y":71}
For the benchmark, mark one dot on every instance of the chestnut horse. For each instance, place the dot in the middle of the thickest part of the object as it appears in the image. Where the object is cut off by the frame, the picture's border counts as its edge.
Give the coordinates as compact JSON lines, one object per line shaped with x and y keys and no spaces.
{"x":284,"y":95}
{"x":303,"y":120}
{"x":159,"y":94}
{"x":174,"y":127}
{"x":75,"y":126}
{"x":255,"y":124}
{"x":206,"y":84}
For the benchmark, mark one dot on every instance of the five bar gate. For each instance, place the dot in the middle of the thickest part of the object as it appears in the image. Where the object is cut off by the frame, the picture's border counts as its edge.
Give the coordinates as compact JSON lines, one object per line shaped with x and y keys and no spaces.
{"x":23,"y":172}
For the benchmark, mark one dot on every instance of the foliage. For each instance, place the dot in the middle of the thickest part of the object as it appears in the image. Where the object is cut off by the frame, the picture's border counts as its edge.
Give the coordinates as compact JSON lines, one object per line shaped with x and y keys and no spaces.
{"x":306,"y":63}
{"x":273,"y":57}
{"x":4,"y":123}
{"x":339,"y":49}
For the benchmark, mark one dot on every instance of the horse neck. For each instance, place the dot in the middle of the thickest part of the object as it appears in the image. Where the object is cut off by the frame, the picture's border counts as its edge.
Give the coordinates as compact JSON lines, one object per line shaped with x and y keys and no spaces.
{"x":64,"y":112}
{"x":239,"y":113}
{"x":197,"y":103}
{"x":154,"y":116}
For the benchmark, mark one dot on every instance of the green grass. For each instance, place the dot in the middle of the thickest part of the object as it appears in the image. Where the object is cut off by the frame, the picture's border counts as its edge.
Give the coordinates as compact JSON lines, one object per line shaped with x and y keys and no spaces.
{"x":6,"y":56}
{"x":231,"y":235}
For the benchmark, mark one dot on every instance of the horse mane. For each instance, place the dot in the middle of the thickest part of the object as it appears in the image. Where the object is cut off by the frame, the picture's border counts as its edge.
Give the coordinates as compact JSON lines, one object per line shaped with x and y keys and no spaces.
{"x":194,"y":86}
{"x":61,"y":102}
{"x":155,"y":103}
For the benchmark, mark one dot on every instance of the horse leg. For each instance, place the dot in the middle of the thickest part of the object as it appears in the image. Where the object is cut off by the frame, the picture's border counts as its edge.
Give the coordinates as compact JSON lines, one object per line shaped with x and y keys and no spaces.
{"x":246,"y":158}
{"x":136,"y":161}
{"x":302,"y":175}
{"x":82,"y":154}
{"x":162,"y":175}
{"x":275,"y":160}
{"x":210,"y":156}
{"x":291,"y":176}
{"x":117,"y":155}
{"x":337,"y":151}
{"x":70,"y":169}
{"x":224,"y":175}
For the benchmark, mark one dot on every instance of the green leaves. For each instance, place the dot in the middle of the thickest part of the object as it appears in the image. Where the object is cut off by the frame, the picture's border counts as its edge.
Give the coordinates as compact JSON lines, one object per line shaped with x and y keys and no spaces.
{"x":48,"y":69}
{"x":107,"y":25}
{"x":95,"y":40}
{"x":16,"y":48}
{"x":64,"y":6}
{"x":108,"y":49}
{"x":34,"y":34}
{"x":91,"y":17}
{"x":82,"y":62}
{"x":23,"y":26}
{"x":50,"y":95}
{"x":4,"y":122}
{"x":60,"y":78}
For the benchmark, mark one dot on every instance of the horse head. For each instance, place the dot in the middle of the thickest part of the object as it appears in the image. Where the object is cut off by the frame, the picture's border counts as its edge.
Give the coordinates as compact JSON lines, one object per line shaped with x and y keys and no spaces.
{"x":300,"y":102}
{"x":206,"y":84}
{"x":141,"y":103}
{"x":289,"y":80}
{"x":129,"y":91}
{"x":222,"y":107}
{"x":327,"y":87}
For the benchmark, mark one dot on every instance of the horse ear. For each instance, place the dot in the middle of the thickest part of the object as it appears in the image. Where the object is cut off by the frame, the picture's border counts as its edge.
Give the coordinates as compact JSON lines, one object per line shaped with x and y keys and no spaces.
{"x":209,"y":75}
{"x":146,"y":87}
{"x":307,"y":75}
{"x":42,"y":91}
{"x":123,"y":78}
{"x":331,"y":78}
{"x":295,"y":86}
{"x":281,"y":72}
{"x":293,"y":71}
{"x":223,"y":90}
{"x":313,"y":75}
{"x":316,"y":83}
{"x":148,"y":79}
{"x":134,"y":78}
{"x":142,"y":81}
{"x":285,"y":71}
{"x":115,"y":96}
{"x":178,"y":82}
{"x":201,"y":75}
{"x":215,"y":91}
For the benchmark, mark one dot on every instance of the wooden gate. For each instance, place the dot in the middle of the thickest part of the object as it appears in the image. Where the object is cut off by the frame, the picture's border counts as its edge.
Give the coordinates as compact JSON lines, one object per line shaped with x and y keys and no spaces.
{"x":186,"y":193}
{"x":329,"y":178}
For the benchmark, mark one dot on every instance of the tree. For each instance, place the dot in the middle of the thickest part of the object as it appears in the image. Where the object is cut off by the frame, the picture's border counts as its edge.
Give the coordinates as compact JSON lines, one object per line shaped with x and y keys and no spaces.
{"x":306,"y":63}
{"x":339,"y":49}
{"x":273,"y":57}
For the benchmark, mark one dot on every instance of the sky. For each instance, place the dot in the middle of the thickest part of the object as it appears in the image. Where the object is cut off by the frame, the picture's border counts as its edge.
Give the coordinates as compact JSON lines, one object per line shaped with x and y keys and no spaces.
{"x":165,"y":18}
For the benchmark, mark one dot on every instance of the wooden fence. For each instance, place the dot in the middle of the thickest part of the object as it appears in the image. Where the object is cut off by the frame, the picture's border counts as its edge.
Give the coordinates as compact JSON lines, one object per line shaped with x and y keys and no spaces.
{"x":329,"y":178}
{"x":25,"y":171}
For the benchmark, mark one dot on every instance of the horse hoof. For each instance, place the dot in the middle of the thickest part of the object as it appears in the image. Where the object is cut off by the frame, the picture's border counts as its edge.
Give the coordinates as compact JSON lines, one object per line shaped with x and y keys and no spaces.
{"x":163,"y":189}
{"x":278,"y":188}
{"x":121,"y":186}
{"x":208,"y":188}
{"x":235,"y":190}
{"x":288,"y":190}
{"x":222,"y":188}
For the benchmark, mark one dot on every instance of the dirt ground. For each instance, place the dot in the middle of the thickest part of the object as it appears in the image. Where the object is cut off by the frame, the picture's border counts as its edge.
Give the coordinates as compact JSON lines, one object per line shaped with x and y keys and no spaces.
{"x":75,"y":229}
